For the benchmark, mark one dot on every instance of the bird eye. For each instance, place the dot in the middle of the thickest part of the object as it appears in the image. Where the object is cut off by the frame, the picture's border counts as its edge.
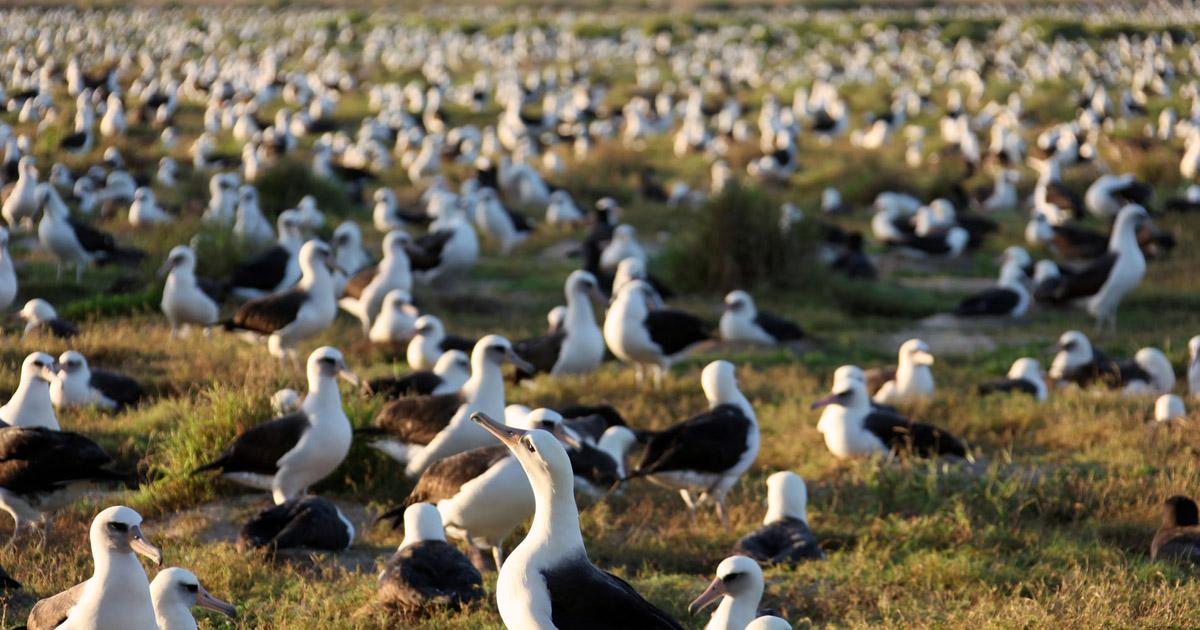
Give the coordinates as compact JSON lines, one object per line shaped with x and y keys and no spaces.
{"x":529,"y":445}
{"x":731,"y":578}
{"x":120,"y":527}
{"x":326,"y":360}
{"x":191,"y":588}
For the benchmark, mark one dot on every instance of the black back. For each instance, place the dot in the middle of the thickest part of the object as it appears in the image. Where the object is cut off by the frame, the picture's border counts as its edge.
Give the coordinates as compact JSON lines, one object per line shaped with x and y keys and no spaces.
{"x":309,"y":523}
{"x":425,"y":253}
{"x":786,"y":541}
{"x":259,"y":448}
{"x":540,"y":352}
{"x":1008,"y":385}
{"x":444,"y":478}
{"x":594,"y":465}
{"x":431,"y":572}
{"x":39,"y":460}
{"x":117,"y":387}
{"x":778,"y":327}
{"x":269,"y":313}
{"x":675,"y":331}
{"x":712,"y":442}
{"x":6,"y":581}
{"x":418,"y":420}
{"x":582,"y":597}
{"x":1077,"y":284}
{"x":998,"y":301}
{"x":903,"y":436}
{"x":92,"y":239}
{"x":418,"y":383}
{"x":456,"y":342}
{"x":263,"y":272}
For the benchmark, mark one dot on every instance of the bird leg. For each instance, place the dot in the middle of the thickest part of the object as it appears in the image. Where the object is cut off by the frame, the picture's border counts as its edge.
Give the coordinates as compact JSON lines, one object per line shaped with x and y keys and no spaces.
{"x":720,"y":502}
{"x":498,"y":555}
{"x":474,"y":554}
{"x":58,"y":272}
{"x":639,"y":373}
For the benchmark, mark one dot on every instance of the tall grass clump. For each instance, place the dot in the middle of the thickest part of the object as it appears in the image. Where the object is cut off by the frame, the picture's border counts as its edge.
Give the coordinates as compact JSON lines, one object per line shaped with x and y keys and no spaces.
{"x":287,"y":181}
{"x":735,"y":241}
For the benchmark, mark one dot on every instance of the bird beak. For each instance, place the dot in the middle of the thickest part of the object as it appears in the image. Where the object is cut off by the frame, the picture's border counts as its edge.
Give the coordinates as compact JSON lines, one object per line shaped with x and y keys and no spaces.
{"x":596,"y":295}
{"x":831,"y":399}
{"x":509,"y":436}
{"x":350,"y":377}
{"x":560,"y":432}
{"x":165,"y":268}
{"x":922,"y":358}
{"x":138,"y":543}
{"x":715,"y":591}
{"x":205,"y":600}
{"x":1055,"y":349}
{"x":521,"y":364}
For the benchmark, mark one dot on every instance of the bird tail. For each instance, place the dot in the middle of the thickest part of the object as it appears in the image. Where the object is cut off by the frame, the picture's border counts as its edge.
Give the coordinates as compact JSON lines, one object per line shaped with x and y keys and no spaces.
{"x":213,"y":465}
{"x":394,"y":515}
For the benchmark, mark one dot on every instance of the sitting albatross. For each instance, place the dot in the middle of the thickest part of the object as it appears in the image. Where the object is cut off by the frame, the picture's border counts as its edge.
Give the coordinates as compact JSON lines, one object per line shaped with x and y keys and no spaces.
{"x":187,"y":299}
{"x":77,"y":385}
{"x":365,"y":290}
{"x":290,"y":453}
{"x":422,"y":430}
{"x":854,"y":428}
{"x":30,"y":405}
{"x":305,"y":523}
{"x":288,"y":317}
{"x":117,"y":596}
{"x":1178,"y":538}
{"x":426,"y":572}
{"x":739,"y":587}
{"x":548,"y":581}
{"x":578,"y":346}
{"x":913,"y":380}
{"x":784,"y":536}
{"x":742,"y":321}
{"x":450,"y":373}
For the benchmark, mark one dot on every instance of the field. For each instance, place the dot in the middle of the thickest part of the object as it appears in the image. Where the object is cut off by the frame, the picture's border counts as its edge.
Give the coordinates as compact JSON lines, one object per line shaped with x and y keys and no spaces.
{"x":1050,"y":528}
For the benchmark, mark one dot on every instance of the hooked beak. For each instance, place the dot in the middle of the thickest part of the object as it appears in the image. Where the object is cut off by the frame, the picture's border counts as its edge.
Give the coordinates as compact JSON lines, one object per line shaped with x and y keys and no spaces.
{"x":715,"y":591}
{"x":509,"y":436}
{"x":832,"y":399}
{"x":559,"y":431}
{"x":521,"y":364}
{"x":138,"y":543}
{"x":346,"y":375}
{"x":205,"y":600}
{"x":922,"y":357}
{"x":166,"y":267}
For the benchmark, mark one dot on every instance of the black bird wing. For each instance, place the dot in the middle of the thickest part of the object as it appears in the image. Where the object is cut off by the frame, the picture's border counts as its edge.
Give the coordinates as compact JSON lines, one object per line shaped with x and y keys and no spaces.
{"x":92,"y":239}
{"x":1088,"y":280}
{"x":712,"y":441}
{"x":263,"y":271}
{"x":429,"y":572}
{"x":259,"y":448}
{"x":594,"y":465}
{"x":359,"y":281}
{"x":456,"y":342}
{"x":53,"y":611}
{"x":674,"y":331}
{"x":520,"y":222}
{"x":418,"y":420}
{"x":310,"y":523}
{"x":117,"y":387}
{"x":419,"y":383}
{"x":784,"y":541}
{"x":36,"y":460}
{"x":582,"y":597}
{"x":444,"y":478}
{"x":902,"y":435}
{"x":998,"y":301}
{"x":7,"y":582}
{"x":1134,"y":192}
{"x":1075,"y":241}
{"x":216,"y":290}
{"x":426,"y":252}
{"x":268,"y":314}
{"x":1008,"y":385}
{"x":61,"y":328}
{"x":778,"y":327}
{"x":1177,"y":543}
{"x":541,"y":352}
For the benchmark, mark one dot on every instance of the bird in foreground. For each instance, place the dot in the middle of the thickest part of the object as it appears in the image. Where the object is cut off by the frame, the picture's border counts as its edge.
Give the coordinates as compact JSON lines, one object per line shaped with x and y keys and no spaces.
{"x":77,"y":385}
{"x":707,"y":453}
{"x":1077,"y":361}
{"x":742,"y":321}
{"x":40,"y":317}
{"x":426,"y":572}
{"x":290,"y":453}
{"x":645,"y":336}
{"x":305,"y":523}
{"x":548,"y":581}
{"x":739,"y":587}
{"x":784,"y":537}
{"x":419,"y":431}
{"x":1025,"y":376}
{"x":854,"y":428}
{"x":30,"y":405}
{"x":42,"y":469}
{"x":175,"y":592}
{"x":1169,"y":408}
{"x":291,"y":316}
{"x":912,"y":380}
{"x":1178,"y":537}
{"x":117,"y":596}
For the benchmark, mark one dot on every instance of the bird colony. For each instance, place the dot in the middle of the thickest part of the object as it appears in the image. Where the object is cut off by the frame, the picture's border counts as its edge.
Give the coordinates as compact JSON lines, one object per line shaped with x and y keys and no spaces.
{"x":546,"y":318}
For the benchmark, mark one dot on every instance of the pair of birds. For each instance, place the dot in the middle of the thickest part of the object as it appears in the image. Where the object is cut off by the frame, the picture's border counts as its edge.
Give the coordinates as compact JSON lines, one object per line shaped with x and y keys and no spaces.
{"x":47,"y":384}
{"x":118,"y":595}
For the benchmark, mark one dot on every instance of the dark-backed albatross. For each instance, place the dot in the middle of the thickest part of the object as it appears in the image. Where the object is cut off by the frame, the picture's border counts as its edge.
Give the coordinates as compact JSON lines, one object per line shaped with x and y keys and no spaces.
{"x":738,"y":586}
{"x":290,"y":453}
{"x":30,"y":405}
{"x":784,"y":537}
{"x":426,"y":572}
{"x":175,"y":591}
{"x":117,"y":596}
{"x":450,"y":373}
{"x":305,"y":523}
{"x":1178,"y":537}
{"x":578,"y":346}
{"x":548,"y":581}
{"x":743,"y":321}
{"x":78,"y":385}
{"x":645,"y":336}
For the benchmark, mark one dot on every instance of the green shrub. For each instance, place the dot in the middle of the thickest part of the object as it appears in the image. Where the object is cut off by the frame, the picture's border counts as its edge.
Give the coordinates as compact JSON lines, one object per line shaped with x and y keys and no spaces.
{"x":287,"y":181}
{"x":734,"y":241}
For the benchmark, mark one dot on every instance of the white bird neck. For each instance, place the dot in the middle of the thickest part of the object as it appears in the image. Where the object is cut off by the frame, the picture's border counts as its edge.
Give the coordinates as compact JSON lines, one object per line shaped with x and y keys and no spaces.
{"x":485,"y":387}
{"x":173,"y":615}
{"x":31,"y":402}
{"x":1124,"y":236}
{"x":579,"y":311}
{"x":554,"y":533}
{"x":315,"y":277}
{"x":736,"y":612}
{"x":323,"y":398}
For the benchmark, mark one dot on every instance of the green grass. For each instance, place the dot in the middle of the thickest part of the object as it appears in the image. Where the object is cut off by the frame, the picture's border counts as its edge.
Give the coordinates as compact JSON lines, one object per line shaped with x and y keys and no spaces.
{"x":1050,"y":529}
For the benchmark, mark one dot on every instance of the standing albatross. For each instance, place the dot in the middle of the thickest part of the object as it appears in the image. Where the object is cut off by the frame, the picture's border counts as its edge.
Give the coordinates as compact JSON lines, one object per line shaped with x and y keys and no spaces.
{"x":290,"y":453}
{"x":117,"y":596}
{"x":548,"y":581}
{"x":577,"y":347}
{"x":423,"y":429}
{"x":708,"y":452}
{"x":645,"y":336}
{"x":288,"y":317}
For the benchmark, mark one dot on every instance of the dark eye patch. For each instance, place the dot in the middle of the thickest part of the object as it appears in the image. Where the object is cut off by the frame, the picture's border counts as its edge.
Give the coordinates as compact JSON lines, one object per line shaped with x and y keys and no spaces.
{"x":731,"y":578}
{"x":191,"y":588}
{"x":529,"y":445}
{"x":120,"y":527}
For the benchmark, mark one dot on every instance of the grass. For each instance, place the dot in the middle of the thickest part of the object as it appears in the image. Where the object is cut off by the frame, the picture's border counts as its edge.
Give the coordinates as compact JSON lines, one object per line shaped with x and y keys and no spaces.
{"x":1051,"y":529}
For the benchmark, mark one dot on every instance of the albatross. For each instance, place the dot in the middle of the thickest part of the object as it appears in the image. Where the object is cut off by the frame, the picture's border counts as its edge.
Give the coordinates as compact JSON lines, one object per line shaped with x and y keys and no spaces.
{"x":913,"y":380}
{"x":273,"y":269}
{"x":1077,"y":361}
{"x":117,"y":596}
{"x":77,"y":385}
{"x":421,"y":430}
{"x":185,"y":300}
{"x":290,"y":453}
{"x":365,"y":290}
{"x":431,"y":341}
{"x":578,"y":346}
{"x":426,"y":572}
{"x":450,"y":373}
{"x":739,"y":587}
{"x":306,"y":523}
{"x":548,"y":581}
{"x":31,"y":405}
{"x":288,"y":317}
{"x":175,"y":592}
{"x":784,"y":537}
{"x":742,"y":321}
{"x":644,"y":336}
{"x":708,"y":452}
